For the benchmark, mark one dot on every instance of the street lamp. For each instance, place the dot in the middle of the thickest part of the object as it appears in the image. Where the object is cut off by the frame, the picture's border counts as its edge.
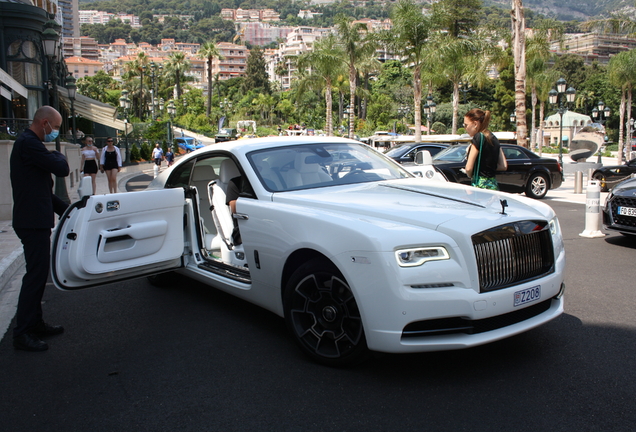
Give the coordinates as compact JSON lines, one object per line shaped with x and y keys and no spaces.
{"x":51,"y":46}
{"x":513,"y":117}
{"x":224,"y":105}
{"x":429,"y":110}
{"x":124,"y":103}
{"x":345,"y":116}
{"x":600,"y":114}
{"x":628,"y":148}
{"x":72,"y":89}
{"x":403,"y":111}
{"x":465,"y":87}
{"x":172,"y":110}
{"x":561,"y":98}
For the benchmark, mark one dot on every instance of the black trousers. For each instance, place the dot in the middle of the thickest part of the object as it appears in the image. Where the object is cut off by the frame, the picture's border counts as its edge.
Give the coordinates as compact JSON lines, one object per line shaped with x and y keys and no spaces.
{"x":37,"y":254}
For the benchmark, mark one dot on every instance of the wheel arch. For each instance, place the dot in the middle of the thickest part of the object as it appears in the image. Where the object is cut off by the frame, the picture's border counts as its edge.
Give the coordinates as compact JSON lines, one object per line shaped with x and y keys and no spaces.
{"x":295,"y":260}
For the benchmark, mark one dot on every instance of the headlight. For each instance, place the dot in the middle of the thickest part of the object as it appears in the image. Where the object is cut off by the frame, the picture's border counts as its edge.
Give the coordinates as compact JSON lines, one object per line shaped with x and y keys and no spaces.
{"x":418,"y":256}
{"x":555,"y":228}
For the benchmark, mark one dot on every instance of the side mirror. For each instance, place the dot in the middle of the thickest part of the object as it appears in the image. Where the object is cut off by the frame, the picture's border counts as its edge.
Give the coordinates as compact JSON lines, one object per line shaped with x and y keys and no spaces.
{"x":85,"y":187}
{"x":423,"y":157}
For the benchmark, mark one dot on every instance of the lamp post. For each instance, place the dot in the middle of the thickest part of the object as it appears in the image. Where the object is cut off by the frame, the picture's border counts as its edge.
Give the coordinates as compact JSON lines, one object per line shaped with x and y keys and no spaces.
{"x":172,"y":110}
{"x":72,"y":89}
{"x":142,"y":103}
{"x":465,"y":87}
{"x":561,"y":98}
{"x":628,"y":148}
{"x":601,"y":114}
{"x":50,"y":42}
{"x":345,"y":116}
{"x":403,"y":111}
{"x":429,"y":110}
{"x":224,"y":104}
{"x":124,"y":103}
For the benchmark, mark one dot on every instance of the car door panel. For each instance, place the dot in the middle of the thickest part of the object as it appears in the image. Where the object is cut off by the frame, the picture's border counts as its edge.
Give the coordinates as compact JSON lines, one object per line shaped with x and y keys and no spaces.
{"x":117,"y":236}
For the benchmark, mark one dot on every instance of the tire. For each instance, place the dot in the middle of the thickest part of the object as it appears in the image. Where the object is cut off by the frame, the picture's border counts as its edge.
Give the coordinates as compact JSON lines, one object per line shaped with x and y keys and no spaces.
{"x":322,"y":315}
{"x":537,"y":186}
{"x":602,"y":181}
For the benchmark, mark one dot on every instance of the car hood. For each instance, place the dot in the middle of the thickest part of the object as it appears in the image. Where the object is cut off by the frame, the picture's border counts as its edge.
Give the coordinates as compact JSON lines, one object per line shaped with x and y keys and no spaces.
{"x":627,"y":187}
{"x":416,"y":202}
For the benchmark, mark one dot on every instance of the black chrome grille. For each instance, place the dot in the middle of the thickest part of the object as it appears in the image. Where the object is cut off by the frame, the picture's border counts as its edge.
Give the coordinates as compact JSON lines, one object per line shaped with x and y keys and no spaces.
{"x":620,"y":201}
{"x":513,"y":253}
{"x":445,"y":326}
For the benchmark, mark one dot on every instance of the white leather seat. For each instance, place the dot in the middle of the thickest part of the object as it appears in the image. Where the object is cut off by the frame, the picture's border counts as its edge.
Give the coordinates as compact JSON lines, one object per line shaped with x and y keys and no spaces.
{"x":307,"y":171}
{"x":201,"y":176}
{"x":222,"y":215}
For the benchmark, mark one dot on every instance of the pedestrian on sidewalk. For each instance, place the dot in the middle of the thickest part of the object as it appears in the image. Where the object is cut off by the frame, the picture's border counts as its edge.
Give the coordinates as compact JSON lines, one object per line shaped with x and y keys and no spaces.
{"x":31,"y":167}
{"x":169,"y":157}
{"x":157,"y":155}
{"x":110,"y":162}
{"x":90,"y":161}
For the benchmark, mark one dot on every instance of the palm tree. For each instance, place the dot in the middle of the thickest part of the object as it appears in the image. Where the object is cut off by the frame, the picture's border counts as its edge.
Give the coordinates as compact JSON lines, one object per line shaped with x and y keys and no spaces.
{"x":461,"y":49}
{"x":357,"y":45}
{"x":136,"y":68}
{"x":622,"y":74}
{"x":208,"y":51}
{"x":519,"y":54}
{"x":325,"y":62}
{"x":178,"y":64}
{"x":537,"y":56}
{"x":409,"y":38}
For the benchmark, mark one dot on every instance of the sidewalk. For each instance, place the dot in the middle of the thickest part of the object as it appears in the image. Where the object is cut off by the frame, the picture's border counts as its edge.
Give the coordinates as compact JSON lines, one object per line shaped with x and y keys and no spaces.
{"x":12,"y":255}
{"x":12,"y":258}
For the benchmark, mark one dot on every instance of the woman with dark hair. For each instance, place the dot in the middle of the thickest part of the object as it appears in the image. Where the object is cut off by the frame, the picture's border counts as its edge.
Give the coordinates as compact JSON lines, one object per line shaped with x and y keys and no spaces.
{"x":89,"y":163}
{"x":485,"y":157}
{"x":111,"y":164}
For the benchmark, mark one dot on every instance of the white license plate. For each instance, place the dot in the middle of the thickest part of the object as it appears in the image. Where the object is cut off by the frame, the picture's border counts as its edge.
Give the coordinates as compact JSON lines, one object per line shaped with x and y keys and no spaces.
{"x":527,"y":295}
{"x":626,"y":211}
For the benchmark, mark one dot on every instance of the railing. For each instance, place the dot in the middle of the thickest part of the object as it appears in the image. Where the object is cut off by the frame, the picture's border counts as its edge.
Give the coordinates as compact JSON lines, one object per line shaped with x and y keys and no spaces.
{"x":11,"y":128}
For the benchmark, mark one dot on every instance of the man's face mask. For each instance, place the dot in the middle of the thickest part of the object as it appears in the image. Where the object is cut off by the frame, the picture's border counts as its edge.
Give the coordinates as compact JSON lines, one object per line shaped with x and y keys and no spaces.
{"x":48,"y":137}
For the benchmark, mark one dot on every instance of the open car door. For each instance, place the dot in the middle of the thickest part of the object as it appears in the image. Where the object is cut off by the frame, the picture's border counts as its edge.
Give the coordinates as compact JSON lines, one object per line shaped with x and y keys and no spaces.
{"x":105,"y":238}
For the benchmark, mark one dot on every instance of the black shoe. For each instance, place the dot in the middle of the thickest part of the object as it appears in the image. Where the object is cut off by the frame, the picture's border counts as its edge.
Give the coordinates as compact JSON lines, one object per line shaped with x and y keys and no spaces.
{"x":44,"y":329}
{"x":29,"y":342}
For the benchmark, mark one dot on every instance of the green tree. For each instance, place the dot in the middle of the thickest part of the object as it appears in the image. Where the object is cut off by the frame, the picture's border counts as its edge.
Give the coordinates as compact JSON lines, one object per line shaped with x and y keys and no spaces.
{"x":622,"y":74}
{"x":256,"y":77}
{"x":96,"y":86}
{"x":325,"y":61}
{"x":176,"y":66}
{"x":357,"y":46}
{"x":208,"y":51}
{"x":409,"y":37}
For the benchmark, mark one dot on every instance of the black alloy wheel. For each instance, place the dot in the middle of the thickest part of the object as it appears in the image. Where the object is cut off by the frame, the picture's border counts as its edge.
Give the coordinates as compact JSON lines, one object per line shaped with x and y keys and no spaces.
{"x":323,"y":316}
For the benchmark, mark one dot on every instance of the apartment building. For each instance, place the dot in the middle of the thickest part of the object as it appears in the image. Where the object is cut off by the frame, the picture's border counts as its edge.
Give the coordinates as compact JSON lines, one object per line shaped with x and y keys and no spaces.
{"x":85,"y":47}
{"x":239,"y":15}
{"x":232,"y":62}
{"x":594,"y":47}
{"x":82,"y":67}
{"x":261,"y":33}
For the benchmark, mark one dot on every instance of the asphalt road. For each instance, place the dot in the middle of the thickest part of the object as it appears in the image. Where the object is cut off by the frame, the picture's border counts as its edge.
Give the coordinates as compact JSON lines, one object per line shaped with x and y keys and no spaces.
{"x":189,"y":358}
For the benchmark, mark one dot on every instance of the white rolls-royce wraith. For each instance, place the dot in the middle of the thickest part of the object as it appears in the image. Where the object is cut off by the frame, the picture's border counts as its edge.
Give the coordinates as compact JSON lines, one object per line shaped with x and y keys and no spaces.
{"x":353,"y":251}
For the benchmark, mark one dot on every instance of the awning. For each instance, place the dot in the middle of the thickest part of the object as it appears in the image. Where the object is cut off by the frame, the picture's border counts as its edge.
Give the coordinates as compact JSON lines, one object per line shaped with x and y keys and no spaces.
{"x":10,"y":82}
{"x":94,"y":110}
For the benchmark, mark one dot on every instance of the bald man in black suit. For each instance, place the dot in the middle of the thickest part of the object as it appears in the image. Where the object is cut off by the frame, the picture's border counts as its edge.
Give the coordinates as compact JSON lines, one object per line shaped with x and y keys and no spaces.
{"x":33,"y":206}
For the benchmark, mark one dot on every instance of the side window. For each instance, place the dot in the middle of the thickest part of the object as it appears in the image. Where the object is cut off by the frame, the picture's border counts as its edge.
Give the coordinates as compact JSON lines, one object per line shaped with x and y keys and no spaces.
{"x":512,"y":153}
{"x":180,"y":177}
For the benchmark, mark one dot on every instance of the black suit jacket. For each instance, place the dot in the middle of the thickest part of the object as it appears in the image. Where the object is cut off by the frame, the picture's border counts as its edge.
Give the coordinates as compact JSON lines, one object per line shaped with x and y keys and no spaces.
{"x":31,"y":168}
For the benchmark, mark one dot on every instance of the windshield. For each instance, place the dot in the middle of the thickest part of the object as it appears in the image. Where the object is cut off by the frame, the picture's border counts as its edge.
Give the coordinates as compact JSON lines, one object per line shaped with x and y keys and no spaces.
{"x":321,"y":165}
{"x":397,"y":151}
{"x":454,"y":153}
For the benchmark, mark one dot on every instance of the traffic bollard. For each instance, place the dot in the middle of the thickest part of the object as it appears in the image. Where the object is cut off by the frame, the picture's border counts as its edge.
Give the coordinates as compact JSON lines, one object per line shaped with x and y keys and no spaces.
{"x":155,"y":170}
{"x":578,"y":182}
{"x":593,"y":211}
